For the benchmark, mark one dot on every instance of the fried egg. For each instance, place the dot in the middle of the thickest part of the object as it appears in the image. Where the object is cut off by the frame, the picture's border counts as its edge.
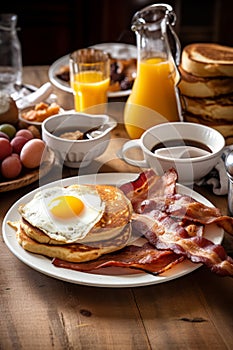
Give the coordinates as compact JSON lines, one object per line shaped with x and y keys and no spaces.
{"x":64,"y":214}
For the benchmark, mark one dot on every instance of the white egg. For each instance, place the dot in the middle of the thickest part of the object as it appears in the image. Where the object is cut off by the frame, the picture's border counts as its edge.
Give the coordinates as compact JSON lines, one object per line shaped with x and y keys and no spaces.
{"x":65,"y":214}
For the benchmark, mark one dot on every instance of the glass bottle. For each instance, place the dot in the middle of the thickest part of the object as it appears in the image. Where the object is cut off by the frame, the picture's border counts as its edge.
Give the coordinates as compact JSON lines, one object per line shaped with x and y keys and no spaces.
{"x":10,"y":54}
{"x":154,"y":98}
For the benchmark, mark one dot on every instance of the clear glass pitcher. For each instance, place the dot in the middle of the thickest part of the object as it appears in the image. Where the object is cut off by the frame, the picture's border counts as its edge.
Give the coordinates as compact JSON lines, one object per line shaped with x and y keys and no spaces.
{"x":10,"y":53}
{"x":154,"y":98}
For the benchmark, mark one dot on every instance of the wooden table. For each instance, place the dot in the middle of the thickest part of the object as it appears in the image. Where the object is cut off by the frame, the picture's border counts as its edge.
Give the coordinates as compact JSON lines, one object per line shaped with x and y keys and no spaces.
{"x":40,"y":312}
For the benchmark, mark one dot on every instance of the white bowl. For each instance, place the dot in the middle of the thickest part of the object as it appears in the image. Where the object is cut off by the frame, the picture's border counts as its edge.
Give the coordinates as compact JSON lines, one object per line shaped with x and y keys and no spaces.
{"x":77,"y":153}
{"x":190,"y":169}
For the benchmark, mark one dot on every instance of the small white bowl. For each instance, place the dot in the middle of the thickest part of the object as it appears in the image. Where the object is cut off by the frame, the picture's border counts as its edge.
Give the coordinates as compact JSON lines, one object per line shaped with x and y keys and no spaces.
{"x":77,"y":153}
{"x":190,"y":169}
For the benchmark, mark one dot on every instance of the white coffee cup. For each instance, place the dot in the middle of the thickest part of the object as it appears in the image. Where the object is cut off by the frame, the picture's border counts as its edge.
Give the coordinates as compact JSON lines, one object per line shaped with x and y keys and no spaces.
{"x":190,"y":166}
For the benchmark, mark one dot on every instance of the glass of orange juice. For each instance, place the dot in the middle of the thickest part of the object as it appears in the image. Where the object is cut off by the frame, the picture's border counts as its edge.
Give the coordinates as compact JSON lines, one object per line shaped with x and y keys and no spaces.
{"x":89,"y":79}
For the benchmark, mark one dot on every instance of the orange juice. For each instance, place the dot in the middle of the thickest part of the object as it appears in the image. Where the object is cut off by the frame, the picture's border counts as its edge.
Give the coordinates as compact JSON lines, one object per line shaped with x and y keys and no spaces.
{"x":90,"y":89}
{"x":153,"y":98}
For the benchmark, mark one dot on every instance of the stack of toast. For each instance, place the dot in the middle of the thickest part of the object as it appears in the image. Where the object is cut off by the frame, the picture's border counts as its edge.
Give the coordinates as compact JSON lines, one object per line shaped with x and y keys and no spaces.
{"x":206,"y":86}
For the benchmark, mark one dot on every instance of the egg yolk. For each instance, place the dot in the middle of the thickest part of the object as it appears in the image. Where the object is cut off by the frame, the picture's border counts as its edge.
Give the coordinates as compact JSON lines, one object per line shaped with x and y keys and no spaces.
{"x":66,"y":207}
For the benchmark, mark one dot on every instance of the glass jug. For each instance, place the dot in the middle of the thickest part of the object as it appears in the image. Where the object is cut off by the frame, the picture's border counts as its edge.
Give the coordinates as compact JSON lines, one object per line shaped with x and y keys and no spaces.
{"x":154,"y":98}
{"x":10,"y":53}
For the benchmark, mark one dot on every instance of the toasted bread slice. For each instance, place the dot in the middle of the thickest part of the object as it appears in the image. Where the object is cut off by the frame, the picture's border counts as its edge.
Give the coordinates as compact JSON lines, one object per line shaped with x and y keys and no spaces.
{"x":207,"y":60}
{"x":215,"y":109}
{"x":194,"y":86}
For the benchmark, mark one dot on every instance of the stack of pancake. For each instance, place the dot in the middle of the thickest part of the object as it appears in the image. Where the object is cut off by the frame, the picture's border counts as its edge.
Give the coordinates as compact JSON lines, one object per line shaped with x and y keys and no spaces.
{"x":206,"y":86}
{"x":52,"y":225}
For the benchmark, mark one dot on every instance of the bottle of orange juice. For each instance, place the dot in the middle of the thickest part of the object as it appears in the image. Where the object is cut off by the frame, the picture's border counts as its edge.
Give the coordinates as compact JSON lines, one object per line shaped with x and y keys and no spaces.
{"x":154,"y":98}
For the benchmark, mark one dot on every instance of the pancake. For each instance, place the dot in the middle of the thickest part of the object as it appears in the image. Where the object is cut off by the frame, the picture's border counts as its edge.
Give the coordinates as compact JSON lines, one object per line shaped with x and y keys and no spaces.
{"x":207,"y":60}
{"x":195,"y":86}
{"x":75,"y":252}
{"x":216,"y":109}
{"x":226,"y":129}
{"x":116,"y":215}
{"x":206,"y":86}
{"x":112,"y":231}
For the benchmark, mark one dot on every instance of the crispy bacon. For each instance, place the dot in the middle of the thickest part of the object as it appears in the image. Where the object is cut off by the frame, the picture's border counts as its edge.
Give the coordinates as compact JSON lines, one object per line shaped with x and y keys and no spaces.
{"x":153,"y":192}
{"x":186,"y":209}
{"x":175,"y":221}
{"x":198,"y":212}
{"x":149,"y":185}
{"x":145,"y":258}
{"x":165,"y":233}
{"x":182,"y":205}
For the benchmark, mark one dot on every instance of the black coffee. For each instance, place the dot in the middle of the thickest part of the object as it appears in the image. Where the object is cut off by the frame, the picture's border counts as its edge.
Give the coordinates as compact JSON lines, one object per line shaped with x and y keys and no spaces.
{"x":177,"y":143}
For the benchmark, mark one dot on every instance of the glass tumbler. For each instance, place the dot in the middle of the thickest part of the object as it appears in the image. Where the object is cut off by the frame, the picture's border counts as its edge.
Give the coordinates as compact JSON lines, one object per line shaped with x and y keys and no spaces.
{"x":90,"y":78}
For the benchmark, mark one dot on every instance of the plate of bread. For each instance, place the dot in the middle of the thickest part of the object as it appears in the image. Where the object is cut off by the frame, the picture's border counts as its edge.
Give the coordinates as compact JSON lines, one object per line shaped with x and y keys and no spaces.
{"x":103,"y":228}
{"x":123,"y":61}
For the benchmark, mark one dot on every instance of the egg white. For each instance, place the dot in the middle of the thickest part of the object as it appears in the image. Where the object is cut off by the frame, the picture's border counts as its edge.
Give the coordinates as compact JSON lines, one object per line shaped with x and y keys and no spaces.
{"x":37,"y":213}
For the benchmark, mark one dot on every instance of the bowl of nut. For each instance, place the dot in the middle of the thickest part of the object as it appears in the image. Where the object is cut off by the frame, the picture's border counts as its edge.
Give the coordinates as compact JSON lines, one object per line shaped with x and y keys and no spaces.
{"x":77,"y":138}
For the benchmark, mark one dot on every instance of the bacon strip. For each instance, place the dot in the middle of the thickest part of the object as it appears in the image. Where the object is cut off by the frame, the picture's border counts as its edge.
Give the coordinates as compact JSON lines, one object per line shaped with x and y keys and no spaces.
{"x":149,"y":185}
{"x":150,"y":191}
{"x":185,"y":209}
{"x":145,"y":258}
{"x":198,"y":212}
{"x":165,"y":233}
{"x":174,"y":221}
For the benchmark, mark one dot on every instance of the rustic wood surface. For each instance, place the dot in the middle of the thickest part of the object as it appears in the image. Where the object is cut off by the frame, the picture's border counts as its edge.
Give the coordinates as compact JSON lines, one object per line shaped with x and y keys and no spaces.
{"x":40,"y":312}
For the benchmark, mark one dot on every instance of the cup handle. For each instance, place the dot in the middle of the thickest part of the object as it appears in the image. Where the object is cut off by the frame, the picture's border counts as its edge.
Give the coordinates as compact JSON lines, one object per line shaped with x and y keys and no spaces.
{"x":132,"y":144}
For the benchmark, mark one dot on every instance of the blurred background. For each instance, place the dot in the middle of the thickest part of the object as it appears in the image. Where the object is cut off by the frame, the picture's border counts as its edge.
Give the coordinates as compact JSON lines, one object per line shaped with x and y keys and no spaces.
{"x":51,"y":30}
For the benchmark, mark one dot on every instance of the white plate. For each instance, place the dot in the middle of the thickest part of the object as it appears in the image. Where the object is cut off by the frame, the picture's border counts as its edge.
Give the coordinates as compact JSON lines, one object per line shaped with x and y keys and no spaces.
{"x":117,"y":50}
{"x":44,"y":265}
